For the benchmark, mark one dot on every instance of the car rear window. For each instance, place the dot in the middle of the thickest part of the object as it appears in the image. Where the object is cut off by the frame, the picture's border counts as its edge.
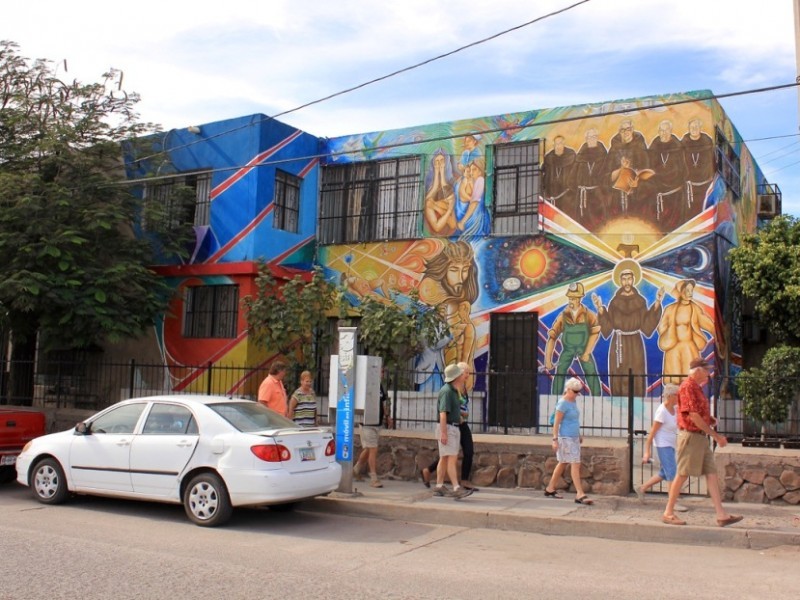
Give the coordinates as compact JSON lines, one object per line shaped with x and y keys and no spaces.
{"x":251,"y":416}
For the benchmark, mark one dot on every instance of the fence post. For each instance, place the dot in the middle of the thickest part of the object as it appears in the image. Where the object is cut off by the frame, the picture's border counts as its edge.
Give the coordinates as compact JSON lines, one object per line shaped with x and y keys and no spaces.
{"x":210,"y":372}
{"x":394,"y":395}
{"x":132,"y":378}
{"x":630,"y":429}
{"x":505,"y":401}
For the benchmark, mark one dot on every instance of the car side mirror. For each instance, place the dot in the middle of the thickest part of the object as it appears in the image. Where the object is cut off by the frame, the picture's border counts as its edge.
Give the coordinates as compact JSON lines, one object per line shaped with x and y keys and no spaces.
{"x":82,"y":429}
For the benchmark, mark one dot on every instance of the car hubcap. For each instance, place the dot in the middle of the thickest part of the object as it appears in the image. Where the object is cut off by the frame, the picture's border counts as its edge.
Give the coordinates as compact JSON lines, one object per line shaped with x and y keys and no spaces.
{"x":46,"y":482}
{"x":203,"y":501}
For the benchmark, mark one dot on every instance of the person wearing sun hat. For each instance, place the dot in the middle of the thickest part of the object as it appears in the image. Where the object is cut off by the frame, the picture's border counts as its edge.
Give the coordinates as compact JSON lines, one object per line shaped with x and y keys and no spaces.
{"x":567,"y":442}
{"x":448,"y":433}
{"x":695,"y":458}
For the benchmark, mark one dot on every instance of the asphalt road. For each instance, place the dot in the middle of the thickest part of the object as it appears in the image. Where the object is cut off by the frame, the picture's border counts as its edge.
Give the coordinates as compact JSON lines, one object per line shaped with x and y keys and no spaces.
{"x":93,"y":548}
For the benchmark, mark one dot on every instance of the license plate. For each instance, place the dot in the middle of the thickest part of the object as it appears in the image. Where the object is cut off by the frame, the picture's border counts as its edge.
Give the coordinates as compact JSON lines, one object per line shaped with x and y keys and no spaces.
{"x":306,"y":454}
{"x":8,"y":460}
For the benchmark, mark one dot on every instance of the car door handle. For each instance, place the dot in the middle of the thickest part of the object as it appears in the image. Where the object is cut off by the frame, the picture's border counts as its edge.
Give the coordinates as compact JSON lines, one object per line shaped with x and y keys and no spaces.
{"x":185,"y":444}
{"x":123,"y":442}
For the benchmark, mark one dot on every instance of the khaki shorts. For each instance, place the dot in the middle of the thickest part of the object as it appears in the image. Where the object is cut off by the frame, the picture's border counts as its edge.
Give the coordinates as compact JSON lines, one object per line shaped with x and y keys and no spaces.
{"x":369,"y":436}
{"x":694,"y":455}
{"x":453,"y":440}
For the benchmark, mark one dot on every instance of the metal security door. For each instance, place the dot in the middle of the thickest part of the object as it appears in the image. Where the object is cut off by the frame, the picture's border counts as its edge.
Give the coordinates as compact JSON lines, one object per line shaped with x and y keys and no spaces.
{"x":512,"y":365}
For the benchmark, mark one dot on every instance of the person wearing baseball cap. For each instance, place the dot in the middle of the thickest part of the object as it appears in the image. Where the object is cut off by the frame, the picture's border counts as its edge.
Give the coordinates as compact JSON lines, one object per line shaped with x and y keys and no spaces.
{"x":567,"y":442}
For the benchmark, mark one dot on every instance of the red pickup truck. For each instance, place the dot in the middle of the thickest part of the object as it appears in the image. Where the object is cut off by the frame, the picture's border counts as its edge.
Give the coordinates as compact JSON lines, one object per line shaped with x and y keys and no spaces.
{"x":18,"y":426}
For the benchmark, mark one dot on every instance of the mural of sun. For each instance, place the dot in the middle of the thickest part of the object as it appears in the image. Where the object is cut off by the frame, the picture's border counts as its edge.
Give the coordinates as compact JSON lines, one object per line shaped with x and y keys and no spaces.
{"x":534,"y":260}
{"x":532,"y":263}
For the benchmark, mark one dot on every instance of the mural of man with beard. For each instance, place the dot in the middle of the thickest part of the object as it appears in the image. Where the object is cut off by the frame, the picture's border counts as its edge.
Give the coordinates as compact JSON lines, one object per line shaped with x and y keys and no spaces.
{"x":450,"y":283}
{"x":628,"y":320}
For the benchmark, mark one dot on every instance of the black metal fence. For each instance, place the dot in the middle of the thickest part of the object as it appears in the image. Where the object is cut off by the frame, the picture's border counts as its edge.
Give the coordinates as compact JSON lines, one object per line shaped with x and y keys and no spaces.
{"x":500,"y":403}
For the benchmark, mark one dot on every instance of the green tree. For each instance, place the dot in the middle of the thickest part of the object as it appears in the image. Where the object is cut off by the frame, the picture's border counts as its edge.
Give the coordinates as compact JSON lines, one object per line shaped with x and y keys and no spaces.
{"x":291,"y":317}
{"x":768,"y":266}
{"x":71,"y":269}
{"x":770,"y":391}
{"x":398,"y":332}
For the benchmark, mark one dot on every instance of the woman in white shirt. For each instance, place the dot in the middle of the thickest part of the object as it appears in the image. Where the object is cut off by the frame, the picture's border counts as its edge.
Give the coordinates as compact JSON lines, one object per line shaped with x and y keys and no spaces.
{"x":663,"y":435}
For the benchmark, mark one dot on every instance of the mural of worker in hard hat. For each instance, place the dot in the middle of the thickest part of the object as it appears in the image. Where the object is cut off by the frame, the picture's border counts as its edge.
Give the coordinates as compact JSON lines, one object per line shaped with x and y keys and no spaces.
{"x":577,"y":328}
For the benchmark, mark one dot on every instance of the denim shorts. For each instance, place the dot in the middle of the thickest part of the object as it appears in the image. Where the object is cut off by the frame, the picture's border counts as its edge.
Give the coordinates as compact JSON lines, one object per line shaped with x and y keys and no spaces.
{"x":666,"y":456}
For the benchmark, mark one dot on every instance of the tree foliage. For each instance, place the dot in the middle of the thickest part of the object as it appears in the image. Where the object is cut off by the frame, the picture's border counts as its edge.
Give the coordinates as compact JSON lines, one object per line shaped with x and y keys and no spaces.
{"x":291,"y":317}
{"x":398,"y":331}
{"x":768,"y":266}
{"x":72,"y":274}
{"x":70,"y":267}
{"x":769,"y":392}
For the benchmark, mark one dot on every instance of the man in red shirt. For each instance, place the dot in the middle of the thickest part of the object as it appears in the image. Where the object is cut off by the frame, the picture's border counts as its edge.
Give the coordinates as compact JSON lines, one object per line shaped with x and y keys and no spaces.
{"x":271,"y":391}
{"x":695,"y":457}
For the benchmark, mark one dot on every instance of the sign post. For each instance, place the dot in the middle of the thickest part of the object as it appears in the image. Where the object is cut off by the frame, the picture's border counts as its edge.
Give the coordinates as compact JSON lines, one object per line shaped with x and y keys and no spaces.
{"x":345,"y":405}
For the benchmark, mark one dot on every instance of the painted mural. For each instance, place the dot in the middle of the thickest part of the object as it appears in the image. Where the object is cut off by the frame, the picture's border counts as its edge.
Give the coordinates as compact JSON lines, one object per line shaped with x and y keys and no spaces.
{"x":624,"y":271}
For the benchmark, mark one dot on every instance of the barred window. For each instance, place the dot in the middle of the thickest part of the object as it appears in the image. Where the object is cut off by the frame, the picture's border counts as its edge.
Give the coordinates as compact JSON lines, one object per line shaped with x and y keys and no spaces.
{"x":369,"y":201}
{"x":178,"y":202}
{"x":728,"y":164}
{"x":211,"y":311}
{"x":517,"y":185}
{"x":286,"y":213}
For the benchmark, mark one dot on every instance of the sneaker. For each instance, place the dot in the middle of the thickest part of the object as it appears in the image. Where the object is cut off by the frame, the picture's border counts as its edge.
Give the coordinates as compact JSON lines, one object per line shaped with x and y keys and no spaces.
{"x":681,"y":508}
{"x":640,"y":494}
{"x":442,"y":492}
{"x":375,"y":483}
{"x":462,"y":493}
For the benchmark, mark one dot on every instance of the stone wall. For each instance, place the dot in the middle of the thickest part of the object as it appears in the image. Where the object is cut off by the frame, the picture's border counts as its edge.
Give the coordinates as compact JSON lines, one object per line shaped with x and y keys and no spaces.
{"x":760,"y":475}
{"x":510,"y":461}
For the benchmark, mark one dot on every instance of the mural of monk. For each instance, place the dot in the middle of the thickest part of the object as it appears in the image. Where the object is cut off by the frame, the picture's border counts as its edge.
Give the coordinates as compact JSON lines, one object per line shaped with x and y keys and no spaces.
{"x":680,"y":331}
{"x":450,"y":283}
{"x":590,"y":181}
{"x":558,"y":180}
{"x":698,"y":155}
{"x":628,"y":164}
{"x":628,"y":320}
{"x":668,"y":183}
{"x":578,"y":329}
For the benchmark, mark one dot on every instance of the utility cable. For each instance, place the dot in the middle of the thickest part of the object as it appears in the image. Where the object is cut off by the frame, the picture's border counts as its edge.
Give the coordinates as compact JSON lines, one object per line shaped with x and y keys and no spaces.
{"x":514,"y":127}
{"x":378,"y":79}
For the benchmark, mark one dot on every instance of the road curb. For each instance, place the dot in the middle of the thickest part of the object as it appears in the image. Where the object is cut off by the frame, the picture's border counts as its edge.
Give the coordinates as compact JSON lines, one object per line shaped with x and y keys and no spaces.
{"x":511,"y":520}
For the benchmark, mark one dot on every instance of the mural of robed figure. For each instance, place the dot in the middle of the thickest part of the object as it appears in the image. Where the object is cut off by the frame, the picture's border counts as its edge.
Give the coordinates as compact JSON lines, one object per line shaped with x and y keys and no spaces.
{"x":627,"y":320}
{"x":578,"y":329}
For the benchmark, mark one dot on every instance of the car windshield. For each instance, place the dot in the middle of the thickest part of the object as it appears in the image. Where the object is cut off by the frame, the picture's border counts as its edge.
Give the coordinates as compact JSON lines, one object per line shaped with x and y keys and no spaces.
{"x":251,"y":416}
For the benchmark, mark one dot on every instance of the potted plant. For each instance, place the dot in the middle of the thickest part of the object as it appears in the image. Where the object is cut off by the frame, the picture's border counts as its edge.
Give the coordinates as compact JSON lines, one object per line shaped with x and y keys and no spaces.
{"x":770,"y":392}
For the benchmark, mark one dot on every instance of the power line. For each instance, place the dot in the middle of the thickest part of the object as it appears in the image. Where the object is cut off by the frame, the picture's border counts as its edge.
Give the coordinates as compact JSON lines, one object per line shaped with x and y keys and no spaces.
{"x":516,"y":127}
{"x":381,"y":78}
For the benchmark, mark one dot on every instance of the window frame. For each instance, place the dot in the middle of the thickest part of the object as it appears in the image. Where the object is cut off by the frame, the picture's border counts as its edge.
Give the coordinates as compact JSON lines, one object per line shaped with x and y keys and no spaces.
{"x":205,"y":318}
{"x":515,"y":211}
{"x":159,"y":191}
{"x":370,"y":201}
{"x":286,"y":205}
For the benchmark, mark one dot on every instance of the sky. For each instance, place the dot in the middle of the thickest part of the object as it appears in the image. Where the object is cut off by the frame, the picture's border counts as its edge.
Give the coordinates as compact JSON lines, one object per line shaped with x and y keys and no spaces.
{"x":194,"y":63}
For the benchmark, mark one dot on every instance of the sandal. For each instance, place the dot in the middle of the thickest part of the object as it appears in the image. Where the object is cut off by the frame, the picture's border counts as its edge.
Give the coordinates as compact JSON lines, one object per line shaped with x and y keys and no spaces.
{"x":729,"y":521}
{"x":672,"y":520}
{"x":584,"y":500}
{"x":552,"y":494}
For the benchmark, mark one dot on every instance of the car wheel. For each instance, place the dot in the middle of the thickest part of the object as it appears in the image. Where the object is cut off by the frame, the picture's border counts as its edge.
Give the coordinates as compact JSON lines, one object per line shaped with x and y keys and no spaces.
{"x":206,"y":500}
{"x":285,"y":507}
{"x":48,"y":482}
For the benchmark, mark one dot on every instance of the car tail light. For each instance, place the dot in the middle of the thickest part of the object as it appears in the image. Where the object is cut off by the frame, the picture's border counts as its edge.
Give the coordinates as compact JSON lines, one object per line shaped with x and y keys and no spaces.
{"x":330,"y":449}
{"x":271,"y":453}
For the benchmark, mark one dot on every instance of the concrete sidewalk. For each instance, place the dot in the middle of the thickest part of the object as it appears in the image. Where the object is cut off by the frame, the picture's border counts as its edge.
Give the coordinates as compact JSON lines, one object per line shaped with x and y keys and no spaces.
{"x":611,"y":517}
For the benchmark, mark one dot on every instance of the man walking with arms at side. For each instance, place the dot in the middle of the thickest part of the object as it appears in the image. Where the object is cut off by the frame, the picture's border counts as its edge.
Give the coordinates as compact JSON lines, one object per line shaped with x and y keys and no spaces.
{"x":695,"y":425}
{"x":448,"y":433}
{"x":271,"y":392}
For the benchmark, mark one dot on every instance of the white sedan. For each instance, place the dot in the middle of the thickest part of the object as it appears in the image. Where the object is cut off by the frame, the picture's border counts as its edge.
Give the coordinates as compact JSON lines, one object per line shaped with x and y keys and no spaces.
{"x":208,"y":453}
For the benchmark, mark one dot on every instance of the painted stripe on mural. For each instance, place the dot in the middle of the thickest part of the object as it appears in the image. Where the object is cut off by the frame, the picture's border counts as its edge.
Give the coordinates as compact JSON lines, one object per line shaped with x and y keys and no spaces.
{"x":199,"y":371}
{"x":277,"y":260}
{"x":241,"y":235}
{"x":252,"y":164}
